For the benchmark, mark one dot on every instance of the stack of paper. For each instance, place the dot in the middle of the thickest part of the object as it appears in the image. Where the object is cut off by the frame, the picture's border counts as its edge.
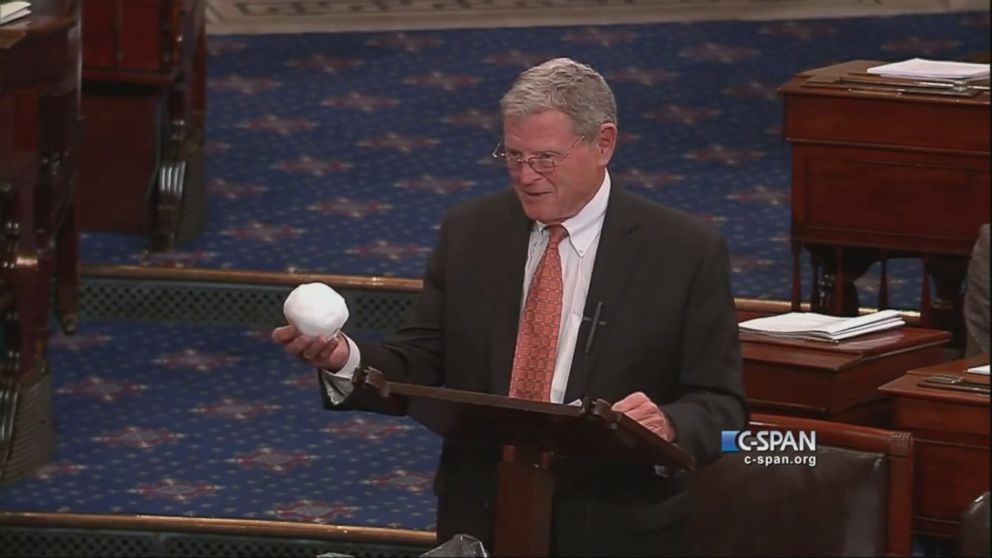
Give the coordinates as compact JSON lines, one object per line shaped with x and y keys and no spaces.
{"x":819,"y":327}
{"x":983,"y":369}
{"x":9,"y":11}
{"x":921,"y":68}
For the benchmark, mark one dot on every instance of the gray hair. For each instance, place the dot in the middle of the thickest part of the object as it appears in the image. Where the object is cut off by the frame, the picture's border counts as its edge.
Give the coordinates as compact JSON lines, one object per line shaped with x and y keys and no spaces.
{"x":565,"y":85}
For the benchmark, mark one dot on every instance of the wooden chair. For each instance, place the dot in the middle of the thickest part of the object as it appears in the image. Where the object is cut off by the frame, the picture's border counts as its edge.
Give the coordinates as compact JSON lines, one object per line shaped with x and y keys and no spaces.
{"x":973,"y":539}
{"x":856,"y":500}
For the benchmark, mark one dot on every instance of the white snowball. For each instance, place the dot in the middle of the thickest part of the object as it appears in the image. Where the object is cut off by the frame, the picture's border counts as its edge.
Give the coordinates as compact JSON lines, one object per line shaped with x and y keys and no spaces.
{"x":316,"y":309}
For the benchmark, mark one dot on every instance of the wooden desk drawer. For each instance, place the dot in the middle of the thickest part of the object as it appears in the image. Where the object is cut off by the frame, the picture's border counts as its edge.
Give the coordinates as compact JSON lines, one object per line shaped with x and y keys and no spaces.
{"x":890,"y":121}
{"x":950,"y":419}
{"x":875,"y":197}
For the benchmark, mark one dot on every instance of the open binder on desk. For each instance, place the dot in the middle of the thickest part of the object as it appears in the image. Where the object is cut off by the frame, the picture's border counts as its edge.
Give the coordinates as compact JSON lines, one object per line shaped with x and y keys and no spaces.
{"x":534,"y":432}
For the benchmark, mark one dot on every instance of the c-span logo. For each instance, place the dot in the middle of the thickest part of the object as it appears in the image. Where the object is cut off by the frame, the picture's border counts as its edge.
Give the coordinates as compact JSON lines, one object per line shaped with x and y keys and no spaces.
{"x":771,"y":447}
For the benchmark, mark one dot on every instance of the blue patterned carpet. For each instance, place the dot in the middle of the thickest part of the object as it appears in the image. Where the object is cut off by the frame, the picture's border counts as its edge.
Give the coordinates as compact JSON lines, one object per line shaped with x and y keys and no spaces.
{"x":338,"y":153}
{"x":211,"y":421}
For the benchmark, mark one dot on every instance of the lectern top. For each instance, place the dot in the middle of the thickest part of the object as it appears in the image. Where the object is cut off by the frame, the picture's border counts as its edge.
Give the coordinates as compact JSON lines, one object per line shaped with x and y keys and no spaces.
{"x":589,"y":429}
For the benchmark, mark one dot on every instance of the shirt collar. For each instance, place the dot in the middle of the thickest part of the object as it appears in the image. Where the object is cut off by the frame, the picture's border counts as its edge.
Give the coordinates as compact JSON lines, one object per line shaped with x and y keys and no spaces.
{"x":584,"y":226}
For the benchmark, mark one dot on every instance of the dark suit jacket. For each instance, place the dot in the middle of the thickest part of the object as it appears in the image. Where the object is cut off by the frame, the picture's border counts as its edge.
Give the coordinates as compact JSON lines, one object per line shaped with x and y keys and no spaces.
{"x":664,"y":282}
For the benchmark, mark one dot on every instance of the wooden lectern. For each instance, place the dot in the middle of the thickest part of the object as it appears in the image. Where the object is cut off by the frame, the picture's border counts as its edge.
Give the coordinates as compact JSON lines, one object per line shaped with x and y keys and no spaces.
{"x":532,"y":434}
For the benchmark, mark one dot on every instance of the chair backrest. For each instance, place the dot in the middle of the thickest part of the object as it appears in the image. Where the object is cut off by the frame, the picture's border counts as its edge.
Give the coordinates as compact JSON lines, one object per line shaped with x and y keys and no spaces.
{"x":973,"y":539}
{"x":855,"y":501}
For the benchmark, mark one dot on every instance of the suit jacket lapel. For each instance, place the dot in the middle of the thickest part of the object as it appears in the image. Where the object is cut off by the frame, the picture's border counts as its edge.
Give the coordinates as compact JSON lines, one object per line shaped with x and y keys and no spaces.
{"x":615,"y":261}
{"x":509,"y":256}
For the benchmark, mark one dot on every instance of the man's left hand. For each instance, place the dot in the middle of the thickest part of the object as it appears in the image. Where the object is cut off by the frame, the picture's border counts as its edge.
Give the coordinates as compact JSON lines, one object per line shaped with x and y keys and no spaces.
{"x":640,"y":408}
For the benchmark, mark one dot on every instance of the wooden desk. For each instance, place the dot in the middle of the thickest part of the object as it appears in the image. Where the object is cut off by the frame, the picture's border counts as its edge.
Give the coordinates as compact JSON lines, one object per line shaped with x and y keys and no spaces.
{"x":837,"y":382}
{"x":39,"y":135}
{"x":951,"y":430}
{"x":144,"y":100}
{"x":877,"y":174}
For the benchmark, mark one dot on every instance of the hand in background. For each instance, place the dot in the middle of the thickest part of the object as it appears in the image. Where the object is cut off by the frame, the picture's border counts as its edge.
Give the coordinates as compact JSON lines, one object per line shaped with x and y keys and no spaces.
{"x":330,"y":353}
{"x":640,"y":408}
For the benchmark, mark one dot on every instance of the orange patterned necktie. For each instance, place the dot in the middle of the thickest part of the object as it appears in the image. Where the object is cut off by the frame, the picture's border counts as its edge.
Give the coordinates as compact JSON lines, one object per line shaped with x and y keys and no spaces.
{"x":537,"y":339}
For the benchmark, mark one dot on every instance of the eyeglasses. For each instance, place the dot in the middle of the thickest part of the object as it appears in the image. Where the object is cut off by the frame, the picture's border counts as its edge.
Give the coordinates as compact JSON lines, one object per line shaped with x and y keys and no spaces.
{"x":545,"y":163}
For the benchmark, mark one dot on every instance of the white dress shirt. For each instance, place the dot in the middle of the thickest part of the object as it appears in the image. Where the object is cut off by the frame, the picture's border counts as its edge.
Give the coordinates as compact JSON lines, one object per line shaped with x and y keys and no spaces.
{"x":578,"y":254}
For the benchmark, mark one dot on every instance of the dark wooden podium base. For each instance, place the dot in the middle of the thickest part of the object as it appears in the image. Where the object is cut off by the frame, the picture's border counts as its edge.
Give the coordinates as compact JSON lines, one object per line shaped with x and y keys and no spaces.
{"x":525,"y":487}
{"x":531,"y":435}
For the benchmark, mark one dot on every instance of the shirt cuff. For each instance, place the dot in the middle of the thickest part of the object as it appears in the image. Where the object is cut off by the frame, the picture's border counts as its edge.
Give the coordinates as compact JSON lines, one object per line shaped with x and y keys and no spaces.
{"x":337,"y":385}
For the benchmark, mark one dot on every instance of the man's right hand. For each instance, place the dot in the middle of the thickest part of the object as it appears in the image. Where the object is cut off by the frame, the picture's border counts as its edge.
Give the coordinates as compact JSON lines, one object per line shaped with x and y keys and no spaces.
{"x":330,"y":353}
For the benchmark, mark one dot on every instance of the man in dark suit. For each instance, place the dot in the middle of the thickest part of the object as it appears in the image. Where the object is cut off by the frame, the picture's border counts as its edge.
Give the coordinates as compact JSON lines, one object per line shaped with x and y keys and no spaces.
{"x":508,"y":300}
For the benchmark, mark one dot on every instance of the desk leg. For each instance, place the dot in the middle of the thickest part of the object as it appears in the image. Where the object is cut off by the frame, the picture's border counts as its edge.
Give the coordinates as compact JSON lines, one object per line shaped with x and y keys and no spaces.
{"x":845,"y":295}
{"x":942,"y":309}
{"x":834,"y":272}
{"x":883,"y":287}
{"x":67,"y":272}
{"x":816,"y":303}
{"x":797,"y":288}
